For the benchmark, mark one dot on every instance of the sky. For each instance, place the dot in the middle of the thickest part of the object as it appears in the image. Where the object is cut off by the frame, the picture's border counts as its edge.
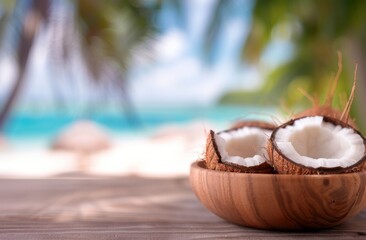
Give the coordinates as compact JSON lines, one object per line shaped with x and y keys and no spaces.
{"x":178,"y":74}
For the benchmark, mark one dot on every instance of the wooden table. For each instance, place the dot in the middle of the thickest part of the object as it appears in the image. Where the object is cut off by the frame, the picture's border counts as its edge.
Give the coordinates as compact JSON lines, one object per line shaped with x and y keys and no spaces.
{"x":82,"y":207}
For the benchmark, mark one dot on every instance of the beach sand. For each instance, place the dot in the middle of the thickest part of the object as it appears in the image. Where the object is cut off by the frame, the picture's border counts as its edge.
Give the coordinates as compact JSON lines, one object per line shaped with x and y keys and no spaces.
{"x":166,"y":153}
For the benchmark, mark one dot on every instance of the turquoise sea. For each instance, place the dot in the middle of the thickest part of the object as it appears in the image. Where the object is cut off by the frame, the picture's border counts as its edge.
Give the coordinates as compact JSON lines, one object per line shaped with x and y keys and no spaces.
{"x":43,"y":126}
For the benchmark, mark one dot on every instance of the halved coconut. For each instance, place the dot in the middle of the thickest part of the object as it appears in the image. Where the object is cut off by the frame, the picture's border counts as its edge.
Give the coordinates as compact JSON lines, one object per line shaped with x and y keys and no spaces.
{"x":239,"y":149}
{"x":316,"y":145}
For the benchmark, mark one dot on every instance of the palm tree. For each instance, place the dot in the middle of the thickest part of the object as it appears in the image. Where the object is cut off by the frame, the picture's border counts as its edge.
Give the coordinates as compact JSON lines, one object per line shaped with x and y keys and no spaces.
{"x":316,"y":29}
{"x":105,"y":33}
{"x":29,"y":23}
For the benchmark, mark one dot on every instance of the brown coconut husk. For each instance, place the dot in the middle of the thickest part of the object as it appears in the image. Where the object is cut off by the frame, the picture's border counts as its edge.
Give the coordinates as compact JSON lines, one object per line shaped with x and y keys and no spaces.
{"x":258,"y":124}
{"x":326,"y":109}
{"x":213,"y":158}
{"x":284,"y":165}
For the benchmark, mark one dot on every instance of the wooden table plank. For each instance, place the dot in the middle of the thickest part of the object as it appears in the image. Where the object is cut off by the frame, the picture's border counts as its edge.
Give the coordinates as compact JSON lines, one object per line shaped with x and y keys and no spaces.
{"x":126,"y":208}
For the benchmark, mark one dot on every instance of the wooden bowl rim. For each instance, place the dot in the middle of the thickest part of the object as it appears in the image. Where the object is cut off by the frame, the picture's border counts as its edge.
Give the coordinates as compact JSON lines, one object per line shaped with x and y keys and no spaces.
{"x":200,"y":166}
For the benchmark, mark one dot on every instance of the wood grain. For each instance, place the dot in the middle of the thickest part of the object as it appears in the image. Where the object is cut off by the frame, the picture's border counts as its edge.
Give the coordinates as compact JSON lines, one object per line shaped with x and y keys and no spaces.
{"x":84,"y":207}
{"x":280,"y":201}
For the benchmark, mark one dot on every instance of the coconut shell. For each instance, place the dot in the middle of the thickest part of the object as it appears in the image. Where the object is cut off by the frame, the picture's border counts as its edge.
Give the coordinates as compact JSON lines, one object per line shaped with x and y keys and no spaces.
{"x":213,"y":160}
{"x":258,"y":124}
{"x":284,"y":165}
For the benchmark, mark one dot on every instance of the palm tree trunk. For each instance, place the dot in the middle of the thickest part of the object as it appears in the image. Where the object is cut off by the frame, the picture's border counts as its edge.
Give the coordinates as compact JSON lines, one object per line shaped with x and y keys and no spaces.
{"x":33,"y":17}
{"x":9,"y":102}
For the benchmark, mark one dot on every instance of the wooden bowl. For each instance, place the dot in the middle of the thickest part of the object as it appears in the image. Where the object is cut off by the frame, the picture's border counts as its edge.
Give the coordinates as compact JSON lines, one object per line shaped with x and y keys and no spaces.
{"x":283,"y":202}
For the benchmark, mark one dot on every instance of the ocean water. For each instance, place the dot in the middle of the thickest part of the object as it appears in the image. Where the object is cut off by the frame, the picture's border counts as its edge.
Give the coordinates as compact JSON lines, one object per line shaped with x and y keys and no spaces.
{"x":26,"y":126}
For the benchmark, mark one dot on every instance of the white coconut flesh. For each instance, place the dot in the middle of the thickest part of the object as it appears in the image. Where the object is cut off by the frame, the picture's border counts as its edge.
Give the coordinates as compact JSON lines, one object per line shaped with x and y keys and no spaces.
{"x":244,"y":146}
{"x":314,"y":143}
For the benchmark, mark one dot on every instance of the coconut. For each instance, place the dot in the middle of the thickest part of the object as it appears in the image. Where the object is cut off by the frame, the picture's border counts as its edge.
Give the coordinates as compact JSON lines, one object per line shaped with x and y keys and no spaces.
{"x":316,"y":145}
{"x":241,"y":148}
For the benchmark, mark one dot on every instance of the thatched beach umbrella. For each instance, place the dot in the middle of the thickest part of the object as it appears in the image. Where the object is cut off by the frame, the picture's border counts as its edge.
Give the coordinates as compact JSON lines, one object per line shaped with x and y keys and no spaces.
{"x":82,"y":137}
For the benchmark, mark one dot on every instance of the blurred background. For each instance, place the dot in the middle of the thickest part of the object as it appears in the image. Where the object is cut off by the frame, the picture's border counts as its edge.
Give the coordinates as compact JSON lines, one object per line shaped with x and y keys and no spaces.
{"x":133,"y":86}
